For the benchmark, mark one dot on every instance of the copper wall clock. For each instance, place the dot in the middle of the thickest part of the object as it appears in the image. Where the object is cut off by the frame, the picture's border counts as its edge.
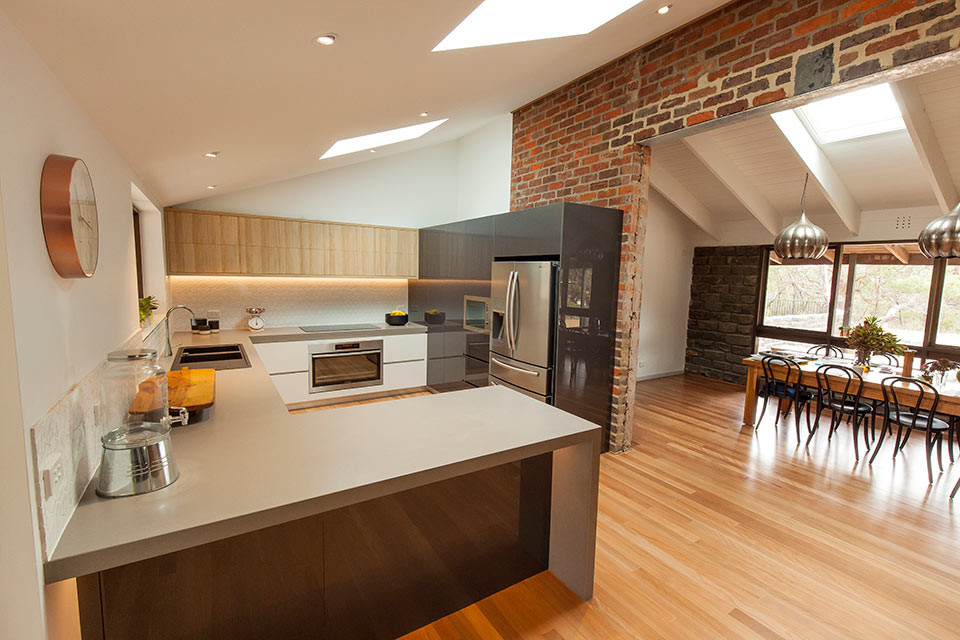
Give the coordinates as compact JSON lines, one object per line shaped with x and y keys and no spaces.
{"x":68,"y":211}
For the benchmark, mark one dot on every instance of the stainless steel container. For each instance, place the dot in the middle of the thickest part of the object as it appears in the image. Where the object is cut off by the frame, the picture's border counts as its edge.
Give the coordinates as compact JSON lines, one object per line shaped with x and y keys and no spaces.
{"x":137,"y":458}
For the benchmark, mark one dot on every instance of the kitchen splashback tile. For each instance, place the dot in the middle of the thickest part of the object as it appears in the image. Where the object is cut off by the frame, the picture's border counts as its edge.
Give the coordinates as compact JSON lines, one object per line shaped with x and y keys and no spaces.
{"x":69,"y":433}
{"x":288,"y":301}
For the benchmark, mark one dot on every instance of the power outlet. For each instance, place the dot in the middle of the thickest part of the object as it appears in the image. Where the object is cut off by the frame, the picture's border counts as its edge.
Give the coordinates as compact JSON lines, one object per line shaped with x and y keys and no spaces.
{"x":52,"y":476}
{"x":640,"y":364}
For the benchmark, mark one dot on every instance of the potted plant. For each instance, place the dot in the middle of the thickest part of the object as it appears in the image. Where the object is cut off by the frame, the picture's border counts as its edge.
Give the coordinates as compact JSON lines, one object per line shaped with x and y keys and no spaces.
{"x":939,"y":367}
{"x":147,"y":307}
{"x":869,"y":338}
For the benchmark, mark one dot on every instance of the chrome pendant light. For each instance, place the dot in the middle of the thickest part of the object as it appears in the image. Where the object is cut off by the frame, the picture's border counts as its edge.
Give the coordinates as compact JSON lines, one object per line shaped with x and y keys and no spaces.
{"x":941,"y":237}
{"x":802,"y":239}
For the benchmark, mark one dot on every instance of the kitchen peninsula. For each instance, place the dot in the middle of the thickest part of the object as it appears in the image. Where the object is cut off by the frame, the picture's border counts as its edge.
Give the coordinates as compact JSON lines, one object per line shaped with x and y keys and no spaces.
{"x":359,"y":522}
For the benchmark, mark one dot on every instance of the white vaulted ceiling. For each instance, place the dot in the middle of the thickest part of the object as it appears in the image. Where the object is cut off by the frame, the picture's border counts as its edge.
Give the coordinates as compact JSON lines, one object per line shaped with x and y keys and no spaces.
{"x":877,"y":173}
{"x":168,"y":81}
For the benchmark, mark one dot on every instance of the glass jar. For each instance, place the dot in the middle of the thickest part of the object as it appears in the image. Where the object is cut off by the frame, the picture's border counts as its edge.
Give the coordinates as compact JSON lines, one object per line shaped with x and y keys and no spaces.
{"x":133,"y":390}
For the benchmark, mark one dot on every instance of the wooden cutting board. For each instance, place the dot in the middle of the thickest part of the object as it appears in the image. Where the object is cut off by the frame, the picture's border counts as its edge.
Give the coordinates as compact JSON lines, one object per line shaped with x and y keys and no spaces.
{"x":192,"y":389}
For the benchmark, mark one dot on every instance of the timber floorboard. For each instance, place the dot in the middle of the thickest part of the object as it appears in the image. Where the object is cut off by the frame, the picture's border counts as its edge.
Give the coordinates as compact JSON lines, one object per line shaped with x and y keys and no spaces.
{"x":708,"y":529}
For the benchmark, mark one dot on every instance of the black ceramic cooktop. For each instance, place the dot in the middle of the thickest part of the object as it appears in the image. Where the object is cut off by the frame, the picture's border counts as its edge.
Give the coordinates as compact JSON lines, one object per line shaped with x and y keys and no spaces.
{"x":337,"y":327}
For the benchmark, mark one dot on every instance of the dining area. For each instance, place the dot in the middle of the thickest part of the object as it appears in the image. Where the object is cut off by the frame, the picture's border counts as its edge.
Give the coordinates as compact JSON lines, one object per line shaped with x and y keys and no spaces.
{"x":824,"y":389}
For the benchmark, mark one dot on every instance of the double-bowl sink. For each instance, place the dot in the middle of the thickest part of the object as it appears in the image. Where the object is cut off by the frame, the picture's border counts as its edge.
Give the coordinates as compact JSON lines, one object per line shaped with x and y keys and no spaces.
{"x":217,"y":357}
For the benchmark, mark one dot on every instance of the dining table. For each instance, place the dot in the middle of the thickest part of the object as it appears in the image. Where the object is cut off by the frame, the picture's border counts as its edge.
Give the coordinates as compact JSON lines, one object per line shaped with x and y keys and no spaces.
{"x":949,"y":402}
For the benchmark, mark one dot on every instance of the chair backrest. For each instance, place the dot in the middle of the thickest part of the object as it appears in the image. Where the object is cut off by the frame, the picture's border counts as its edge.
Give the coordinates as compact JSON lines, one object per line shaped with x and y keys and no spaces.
{"x":827,"y":350}
{"x":889,"y":358}
{"x":836,"y":383}
{"x":908,"y":398}
{"x":792,"y":375}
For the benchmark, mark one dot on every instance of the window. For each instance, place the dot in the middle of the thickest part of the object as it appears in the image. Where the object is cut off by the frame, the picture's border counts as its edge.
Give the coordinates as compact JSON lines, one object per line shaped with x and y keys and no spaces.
{"x":948,"y":329}
{"x":798,"y":293}
{"x":806,"y":302}
{"x":138,"y":252}
{"x":856,"y":114}
{"x":888,"y":281}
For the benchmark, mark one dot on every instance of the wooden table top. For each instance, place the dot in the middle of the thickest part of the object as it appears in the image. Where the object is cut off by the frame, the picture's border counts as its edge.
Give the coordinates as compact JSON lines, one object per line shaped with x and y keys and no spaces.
{"x":949,"y":392}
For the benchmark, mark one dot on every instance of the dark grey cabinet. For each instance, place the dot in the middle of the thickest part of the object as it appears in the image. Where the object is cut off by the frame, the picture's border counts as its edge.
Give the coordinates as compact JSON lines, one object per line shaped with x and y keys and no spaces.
{"x":455,"y":260}
{"x":532,"y":233}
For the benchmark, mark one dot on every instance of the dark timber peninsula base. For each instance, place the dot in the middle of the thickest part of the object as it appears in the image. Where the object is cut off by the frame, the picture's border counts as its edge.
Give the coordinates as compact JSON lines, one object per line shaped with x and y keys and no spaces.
{"x":377,"y":569}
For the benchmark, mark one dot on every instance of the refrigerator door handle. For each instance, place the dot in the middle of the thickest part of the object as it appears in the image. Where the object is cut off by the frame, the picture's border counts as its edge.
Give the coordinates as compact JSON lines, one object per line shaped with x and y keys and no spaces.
{"x":510,"y":366}
{"x":508,"y":320}
{"x":514,"y":316}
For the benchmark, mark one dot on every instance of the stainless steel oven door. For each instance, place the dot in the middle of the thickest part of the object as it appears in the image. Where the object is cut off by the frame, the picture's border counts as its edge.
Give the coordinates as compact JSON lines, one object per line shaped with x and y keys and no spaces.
{"x":346,"y":365}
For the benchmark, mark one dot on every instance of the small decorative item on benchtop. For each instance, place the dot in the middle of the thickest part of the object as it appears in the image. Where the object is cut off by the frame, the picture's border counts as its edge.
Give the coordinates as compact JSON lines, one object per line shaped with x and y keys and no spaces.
{"x":935,"y":371}
{"x":869,"y":338}
{"x":432,"y":316}
{"x":396,"y":318}
{"x":255,"y":323}
{"x":213,"y":320}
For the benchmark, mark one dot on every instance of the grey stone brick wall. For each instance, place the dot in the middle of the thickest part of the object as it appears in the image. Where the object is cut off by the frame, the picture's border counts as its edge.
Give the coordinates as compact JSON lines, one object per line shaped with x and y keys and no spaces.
{"x":724,"y":294}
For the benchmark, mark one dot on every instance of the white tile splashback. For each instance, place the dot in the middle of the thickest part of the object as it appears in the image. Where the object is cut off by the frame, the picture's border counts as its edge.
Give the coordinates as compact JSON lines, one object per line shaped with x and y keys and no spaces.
{"x":70,"y":433}
{"x":288,"y":301}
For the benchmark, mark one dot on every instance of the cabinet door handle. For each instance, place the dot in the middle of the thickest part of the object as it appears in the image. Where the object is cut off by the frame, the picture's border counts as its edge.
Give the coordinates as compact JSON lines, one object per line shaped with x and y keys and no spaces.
{"x":510,"y":366}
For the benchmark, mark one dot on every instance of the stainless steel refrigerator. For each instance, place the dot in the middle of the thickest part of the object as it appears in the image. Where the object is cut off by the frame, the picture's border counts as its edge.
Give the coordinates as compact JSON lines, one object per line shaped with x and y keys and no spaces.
{"x":523,"y":316}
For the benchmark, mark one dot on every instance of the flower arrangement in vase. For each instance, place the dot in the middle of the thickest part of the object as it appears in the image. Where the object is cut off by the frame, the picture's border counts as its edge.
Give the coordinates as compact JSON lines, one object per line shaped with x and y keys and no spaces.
{"x":939,"y":367}
{"x":869,"y":338}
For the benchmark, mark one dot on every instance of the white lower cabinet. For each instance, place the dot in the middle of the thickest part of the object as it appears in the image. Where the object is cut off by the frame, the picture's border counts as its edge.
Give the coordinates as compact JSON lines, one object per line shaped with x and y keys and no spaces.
{"x":295,"y":387}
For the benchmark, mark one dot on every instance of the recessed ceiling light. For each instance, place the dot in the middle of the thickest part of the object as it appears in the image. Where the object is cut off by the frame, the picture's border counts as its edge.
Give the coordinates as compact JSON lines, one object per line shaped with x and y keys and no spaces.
{"x":664,"y":10}
{"x":503,"y":21}
{"x":856,"y":114}
{"x":326,"y":39}
{"x":424,"y":114}
{"x":212,"y":154}
{"x":373,"y":150}
{"x":383,"y":138}
{"x":211,"y":186}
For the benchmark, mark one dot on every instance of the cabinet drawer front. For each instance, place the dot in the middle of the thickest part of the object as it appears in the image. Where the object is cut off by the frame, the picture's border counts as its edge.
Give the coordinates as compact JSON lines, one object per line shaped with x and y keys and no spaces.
{"x":284,"y":357}
{"x":404,"y":375}
{"x":401,"y":348}
{"x":293,"y":387}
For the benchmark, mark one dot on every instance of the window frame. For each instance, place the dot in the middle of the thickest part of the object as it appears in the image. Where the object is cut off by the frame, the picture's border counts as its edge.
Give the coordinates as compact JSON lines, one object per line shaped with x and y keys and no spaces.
{"x":928,"y":350}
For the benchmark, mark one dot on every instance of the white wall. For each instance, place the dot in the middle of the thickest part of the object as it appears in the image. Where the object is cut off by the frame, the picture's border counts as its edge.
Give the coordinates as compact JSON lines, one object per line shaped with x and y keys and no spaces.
{"x":464,"y":178}
{"x":406,"y":190}
{"x":667,"y":270}
{"x":483,"y":171}
{"x":63,"y":328}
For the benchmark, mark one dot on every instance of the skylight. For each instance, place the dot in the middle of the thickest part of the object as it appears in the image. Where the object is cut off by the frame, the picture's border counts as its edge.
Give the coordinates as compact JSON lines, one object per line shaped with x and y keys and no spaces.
{"x":381,"y":139}
{"x":503,"y":21}
{"x":857,"y":114}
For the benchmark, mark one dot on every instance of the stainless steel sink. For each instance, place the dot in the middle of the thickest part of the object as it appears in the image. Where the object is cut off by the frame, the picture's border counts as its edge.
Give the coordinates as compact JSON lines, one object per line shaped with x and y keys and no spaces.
{"x":218,"y":357}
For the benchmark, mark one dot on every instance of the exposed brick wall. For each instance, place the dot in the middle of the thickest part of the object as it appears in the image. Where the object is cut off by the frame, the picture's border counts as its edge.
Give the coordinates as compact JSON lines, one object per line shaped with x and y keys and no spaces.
{"x":724,"y":294}
{"x":580,"y":143}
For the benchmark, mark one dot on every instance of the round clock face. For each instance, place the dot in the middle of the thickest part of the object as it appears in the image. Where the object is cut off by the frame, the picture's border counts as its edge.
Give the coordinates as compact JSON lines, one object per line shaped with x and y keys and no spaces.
{"x":83,"y":218}
{"x":68,"y":212}
{"x":256,"y":323}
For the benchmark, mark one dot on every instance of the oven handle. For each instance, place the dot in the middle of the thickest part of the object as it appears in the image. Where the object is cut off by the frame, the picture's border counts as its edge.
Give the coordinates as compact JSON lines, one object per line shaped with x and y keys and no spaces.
{"x":510,"y":366}
{"x":332,"y":354}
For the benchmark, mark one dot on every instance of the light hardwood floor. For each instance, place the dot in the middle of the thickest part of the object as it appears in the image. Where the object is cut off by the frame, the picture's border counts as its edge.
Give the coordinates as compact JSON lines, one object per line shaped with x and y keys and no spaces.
{"x":711,"y":530}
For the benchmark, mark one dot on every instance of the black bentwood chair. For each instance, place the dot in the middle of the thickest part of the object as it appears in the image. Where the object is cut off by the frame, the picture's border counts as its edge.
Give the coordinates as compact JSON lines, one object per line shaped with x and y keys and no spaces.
{"x":784,"y":388}
{"x":889,"y":358}
{"x":912,"y":404}
{"x":827,"y":350}
{"x":839,"y":389}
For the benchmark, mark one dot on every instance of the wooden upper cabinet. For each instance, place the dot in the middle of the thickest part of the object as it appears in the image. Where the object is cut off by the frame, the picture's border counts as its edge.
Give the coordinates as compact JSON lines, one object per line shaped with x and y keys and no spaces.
{"x":204,"y":243}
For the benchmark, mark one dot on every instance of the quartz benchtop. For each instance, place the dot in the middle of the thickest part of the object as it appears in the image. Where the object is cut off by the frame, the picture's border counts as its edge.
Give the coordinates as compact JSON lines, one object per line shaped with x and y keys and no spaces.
{"x":296,"y":334}
{"x":251,"y":464}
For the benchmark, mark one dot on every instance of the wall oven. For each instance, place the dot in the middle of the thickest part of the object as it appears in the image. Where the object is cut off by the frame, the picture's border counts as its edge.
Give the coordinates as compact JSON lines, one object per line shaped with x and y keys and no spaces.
{"x":345,"y":365}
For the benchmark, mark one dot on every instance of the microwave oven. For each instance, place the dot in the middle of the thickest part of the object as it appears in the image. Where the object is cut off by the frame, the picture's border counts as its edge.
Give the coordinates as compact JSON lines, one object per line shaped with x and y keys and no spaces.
{"x":476,"y":314}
